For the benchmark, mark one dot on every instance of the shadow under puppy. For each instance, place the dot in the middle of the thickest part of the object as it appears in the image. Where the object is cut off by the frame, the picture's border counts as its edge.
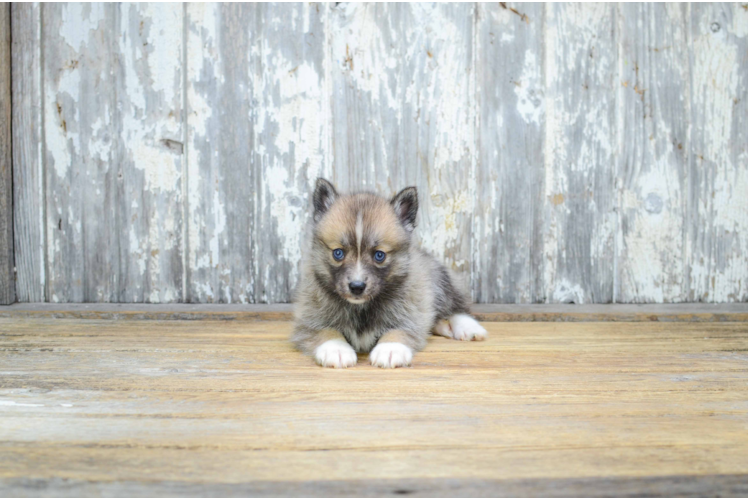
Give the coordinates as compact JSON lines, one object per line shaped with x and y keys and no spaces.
{"x":366,"y":287}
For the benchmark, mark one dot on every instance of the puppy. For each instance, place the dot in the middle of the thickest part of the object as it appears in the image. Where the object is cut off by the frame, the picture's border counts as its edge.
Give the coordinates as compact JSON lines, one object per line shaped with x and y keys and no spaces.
{"x":365,"y":287}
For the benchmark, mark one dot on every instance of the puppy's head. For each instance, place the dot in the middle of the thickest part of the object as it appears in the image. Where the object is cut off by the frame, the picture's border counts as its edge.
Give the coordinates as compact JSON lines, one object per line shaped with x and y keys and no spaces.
{"x":362,"y":241}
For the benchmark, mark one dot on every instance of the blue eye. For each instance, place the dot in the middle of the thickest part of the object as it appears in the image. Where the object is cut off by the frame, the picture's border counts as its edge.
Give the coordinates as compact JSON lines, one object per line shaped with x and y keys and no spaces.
{"x":338,"y":254}
{"x":379,"y":256}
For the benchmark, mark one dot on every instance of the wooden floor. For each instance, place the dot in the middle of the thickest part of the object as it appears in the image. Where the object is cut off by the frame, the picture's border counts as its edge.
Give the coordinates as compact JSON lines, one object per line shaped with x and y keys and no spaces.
{"x":224,"y":408}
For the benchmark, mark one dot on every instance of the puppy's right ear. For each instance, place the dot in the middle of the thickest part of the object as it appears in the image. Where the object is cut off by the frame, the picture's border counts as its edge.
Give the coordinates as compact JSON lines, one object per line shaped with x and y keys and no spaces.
{"x":405,"y":204}
{"x":324,"y":196}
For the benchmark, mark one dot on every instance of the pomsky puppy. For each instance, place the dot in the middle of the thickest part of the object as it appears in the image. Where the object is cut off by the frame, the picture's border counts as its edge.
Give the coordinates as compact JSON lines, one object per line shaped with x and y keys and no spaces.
{"x":365,"y":287}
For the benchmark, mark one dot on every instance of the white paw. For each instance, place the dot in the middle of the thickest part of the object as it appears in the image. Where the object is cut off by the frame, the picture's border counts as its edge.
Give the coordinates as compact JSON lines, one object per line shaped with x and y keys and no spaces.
{"x":391,"y":355}
{"x":460,"y":327}
{"x":335,"y":354}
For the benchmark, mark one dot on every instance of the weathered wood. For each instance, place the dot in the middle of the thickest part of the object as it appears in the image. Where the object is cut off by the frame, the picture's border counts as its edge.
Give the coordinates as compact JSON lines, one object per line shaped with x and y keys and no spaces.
{"x":717,"y":211}
{"x":28,"y":144}
{"x":403,"y":113}
{"x":292,"y":137}
{"x":112,"y":111}
{"x":7,"y":273}
{"x":214,"y":404}
{"x":676,"y":486}
{"x":581,"y":80}
{"x":507,"y":258}
{"x":149,"y":151}
{"x":484,"y":312}
{"x":654,"y":99}
{"x":79,"y":154}
{"x":257,"y":121}
{"x":563,"y":152}
{"x":220,"y":142}
{"x":722,"y":485}
{"x":220,"y":176}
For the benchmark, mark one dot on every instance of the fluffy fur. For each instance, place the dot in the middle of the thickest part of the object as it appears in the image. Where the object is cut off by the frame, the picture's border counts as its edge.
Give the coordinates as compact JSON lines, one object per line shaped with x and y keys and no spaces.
{"x":406,"y":298}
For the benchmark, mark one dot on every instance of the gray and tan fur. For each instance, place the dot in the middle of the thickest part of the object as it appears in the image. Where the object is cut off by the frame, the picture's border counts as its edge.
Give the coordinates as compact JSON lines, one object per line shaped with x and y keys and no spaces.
{"x":354,"y":303}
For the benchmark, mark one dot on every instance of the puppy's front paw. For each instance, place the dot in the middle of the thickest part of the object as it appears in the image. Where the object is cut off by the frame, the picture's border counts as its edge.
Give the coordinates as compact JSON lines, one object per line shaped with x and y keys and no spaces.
{"x":460,"y":327}
{"x":391,"y":355}
{"x":335,"y":354}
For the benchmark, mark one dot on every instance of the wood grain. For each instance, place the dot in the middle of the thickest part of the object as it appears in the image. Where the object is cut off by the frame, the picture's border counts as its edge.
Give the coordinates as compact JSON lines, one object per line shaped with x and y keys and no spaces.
{"x":150,"y":151}
{"x":507,"y":258}
{"x":563,"y":152}
{"x":722,"y":485}
{"x":162,"y":407}
{"x":403,"y":113}
{"x":717,"y":217}
{"x":257,"y":122}
{"x":28,"y":144}
{"x":7,"y":272}
{"x":580,"y":212}
{"x":80,"y":162}
{"x":292,"y":111}
{"x":484,"y":312}
{"x":653,"y":168}
{"x":112,"y":126}
{"x":220,"y":140}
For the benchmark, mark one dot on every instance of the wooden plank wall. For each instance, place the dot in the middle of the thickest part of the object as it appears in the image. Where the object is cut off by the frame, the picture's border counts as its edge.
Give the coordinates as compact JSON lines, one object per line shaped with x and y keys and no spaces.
{"x":7,"y":278}
{"x":563,"y":152}
{"x":28,"y":177}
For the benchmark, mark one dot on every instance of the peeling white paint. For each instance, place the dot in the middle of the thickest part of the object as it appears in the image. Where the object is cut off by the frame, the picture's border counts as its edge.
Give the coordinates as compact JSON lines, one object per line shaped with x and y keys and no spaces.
{"x":144,"y":129}
{"x":529,"y":97}
{"x":444,"y":217}
{"x":137,"y":253}
{"x":101,"y":148}
{"x":739,"y":26}
{"x":164,"y":63}
{"x":554,"y":151}
{"x":391,"y":98}
{"x":579,"y":70}
{"x":13,"y":403}
{"x":203,"y":31}
{"x":720,"y":263}
{"x":159,"y":166}
{"x":78,"y":20}
{"x":565,"y":292}
{"x":409,"y":68}
{"x":59,"y":138}
{"x":219,"y":225}
{"x":296,"y":153}
{"x":205,"y":290}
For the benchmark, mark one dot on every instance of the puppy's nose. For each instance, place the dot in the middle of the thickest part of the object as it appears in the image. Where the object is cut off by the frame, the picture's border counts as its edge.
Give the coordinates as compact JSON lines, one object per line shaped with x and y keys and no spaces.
{"x":357,"y":287}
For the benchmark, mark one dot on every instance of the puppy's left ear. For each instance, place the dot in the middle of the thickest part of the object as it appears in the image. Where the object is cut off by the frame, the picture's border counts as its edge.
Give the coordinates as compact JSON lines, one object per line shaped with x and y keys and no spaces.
{"x":324,"y":196}
{"x":405,"y":204}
